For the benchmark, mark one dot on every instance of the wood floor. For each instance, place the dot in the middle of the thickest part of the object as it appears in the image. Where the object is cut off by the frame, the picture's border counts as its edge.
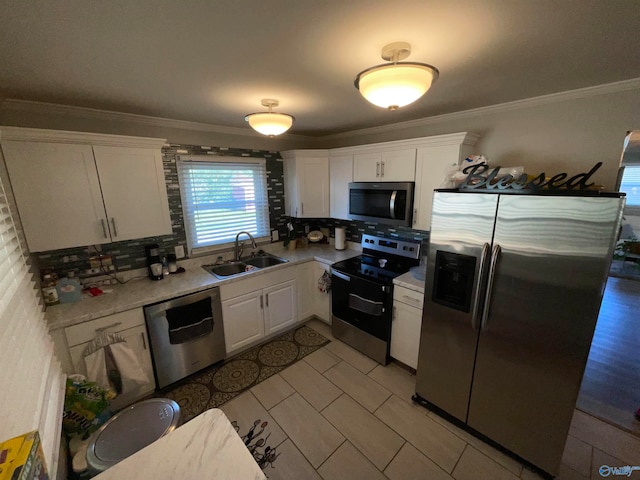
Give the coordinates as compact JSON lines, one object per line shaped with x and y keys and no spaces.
{"x":611,"y":384}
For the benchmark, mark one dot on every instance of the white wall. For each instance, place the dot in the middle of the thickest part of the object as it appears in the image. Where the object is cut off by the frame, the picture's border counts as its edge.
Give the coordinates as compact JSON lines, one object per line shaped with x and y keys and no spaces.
{"x":566,"y":132}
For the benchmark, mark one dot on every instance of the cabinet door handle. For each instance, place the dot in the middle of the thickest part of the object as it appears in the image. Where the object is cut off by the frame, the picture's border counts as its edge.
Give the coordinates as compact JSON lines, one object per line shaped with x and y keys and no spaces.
{"x":415,"y":216}
{"x":302,"y":207}
{"x":144,"y":343}
{"x":104,"y":228}
{"x":267,"y":298}
{"x":393,"y":316}
{"x":115,"y":230}
{"x":377,"y":169}
{"x":261,"y":305}
{"x":382,"y":169}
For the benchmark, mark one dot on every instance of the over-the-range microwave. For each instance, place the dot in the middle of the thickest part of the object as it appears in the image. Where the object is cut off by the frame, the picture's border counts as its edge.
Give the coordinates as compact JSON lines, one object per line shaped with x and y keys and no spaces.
{"x":382,"y":202}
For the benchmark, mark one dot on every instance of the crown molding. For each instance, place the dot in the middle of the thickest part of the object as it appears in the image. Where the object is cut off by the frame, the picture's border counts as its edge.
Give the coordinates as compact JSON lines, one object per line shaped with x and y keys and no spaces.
{"x":460,"y":138}
{"x":616,"y":87}
{"x":29,"y":106}
{"x":63,"y":136}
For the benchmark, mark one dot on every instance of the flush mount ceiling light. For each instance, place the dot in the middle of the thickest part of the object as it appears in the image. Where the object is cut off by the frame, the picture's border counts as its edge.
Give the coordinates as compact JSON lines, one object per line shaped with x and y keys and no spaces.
{"x":270,"y":123}
{"x":394,"y":85}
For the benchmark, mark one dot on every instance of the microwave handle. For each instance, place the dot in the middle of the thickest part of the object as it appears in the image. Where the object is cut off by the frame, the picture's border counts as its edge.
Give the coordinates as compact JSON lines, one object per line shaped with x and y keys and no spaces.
{"x":392,"y":204}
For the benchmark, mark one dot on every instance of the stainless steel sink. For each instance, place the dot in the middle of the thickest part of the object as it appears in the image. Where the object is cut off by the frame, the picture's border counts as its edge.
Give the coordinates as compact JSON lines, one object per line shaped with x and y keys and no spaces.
{"x":265,"y":261}
{"x":243,"y":266}
{"x":226,"y":269}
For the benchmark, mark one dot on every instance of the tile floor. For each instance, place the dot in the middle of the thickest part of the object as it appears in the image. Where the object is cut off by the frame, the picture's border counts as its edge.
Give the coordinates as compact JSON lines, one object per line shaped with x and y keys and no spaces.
{"x":337,"y":414}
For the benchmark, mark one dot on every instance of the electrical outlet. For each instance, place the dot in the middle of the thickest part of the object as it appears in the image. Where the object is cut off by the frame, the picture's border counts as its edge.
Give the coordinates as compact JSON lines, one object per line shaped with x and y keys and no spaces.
{"x":275,"y":236}
{"x":179,"y":251}
{"x":306,"y":229}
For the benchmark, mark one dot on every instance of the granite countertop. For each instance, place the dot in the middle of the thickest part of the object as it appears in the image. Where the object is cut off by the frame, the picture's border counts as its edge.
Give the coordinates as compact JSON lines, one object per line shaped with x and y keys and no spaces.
{"x":205,"y":447}
{"x":139,"y":292}
{"x":407,"y":280}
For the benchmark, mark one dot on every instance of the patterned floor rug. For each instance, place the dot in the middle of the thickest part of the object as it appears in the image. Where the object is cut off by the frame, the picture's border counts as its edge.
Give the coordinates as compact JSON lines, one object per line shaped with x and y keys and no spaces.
{"x":218,"y":384}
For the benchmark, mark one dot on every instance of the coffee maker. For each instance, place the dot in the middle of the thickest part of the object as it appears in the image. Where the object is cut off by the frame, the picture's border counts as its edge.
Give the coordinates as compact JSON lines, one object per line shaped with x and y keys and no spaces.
{"x":154,"y":262}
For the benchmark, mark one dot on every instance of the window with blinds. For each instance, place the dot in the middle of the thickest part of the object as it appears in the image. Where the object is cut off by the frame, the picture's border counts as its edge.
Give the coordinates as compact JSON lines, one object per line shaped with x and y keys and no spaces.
{"x":631,"y":185}
{"x":221,"y":198}
{"x":32,"y":384}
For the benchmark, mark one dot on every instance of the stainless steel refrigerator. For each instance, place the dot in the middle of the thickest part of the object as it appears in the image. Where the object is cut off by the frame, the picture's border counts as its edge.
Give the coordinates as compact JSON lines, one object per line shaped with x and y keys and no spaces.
{"x":513,"y":289}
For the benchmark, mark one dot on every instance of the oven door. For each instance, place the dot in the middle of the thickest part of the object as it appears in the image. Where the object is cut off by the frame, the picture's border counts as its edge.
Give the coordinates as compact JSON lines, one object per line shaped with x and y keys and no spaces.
{"x":362,"y":303}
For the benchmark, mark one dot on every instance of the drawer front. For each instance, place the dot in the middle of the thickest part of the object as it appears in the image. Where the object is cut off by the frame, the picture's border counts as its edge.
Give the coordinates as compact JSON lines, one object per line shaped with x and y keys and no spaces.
{"x":87,"y":331}
{"x":410,"y":297}
{"x":256,"y":281}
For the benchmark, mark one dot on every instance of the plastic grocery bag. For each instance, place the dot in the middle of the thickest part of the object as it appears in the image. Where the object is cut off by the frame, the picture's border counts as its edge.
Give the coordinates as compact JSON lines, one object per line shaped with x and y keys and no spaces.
{"x":86,"y":406}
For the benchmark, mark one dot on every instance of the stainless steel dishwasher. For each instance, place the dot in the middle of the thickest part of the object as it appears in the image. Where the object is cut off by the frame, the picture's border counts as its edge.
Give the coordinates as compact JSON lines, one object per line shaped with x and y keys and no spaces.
{"x":186,"y":335}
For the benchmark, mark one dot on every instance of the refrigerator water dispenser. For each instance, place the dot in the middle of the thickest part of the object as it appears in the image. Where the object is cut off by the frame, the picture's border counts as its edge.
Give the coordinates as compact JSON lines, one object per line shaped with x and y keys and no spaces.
{"x":453,"y":281}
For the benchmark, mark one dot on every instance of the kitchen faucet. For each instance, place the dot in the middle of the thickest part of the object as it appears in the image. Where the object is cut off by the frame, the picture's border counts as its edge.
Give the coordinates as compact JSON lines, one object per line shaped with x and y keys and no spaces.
{"x":239,"y":248}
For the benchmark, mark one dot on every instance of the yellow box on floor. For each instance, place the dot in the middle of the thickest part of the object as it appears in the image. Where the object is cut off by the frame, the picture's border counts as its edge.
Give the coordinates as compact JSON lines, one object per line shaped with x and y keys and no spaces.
{"x":21,"y":458}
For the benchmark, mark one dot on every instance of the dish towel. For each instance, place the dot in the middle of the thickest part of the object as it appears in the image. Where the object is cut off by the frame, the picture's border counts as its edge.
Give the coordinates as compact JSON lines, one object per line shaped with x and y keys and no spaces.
{"x":111,"y":363}
{"x":324,"y":282}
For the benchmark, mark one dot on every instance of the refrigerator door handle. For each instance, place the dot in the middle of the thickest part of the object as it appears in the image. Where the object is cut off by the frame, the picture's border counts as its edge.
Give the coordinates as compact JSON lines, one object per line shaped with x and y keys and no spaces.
{"x":495,"y":253}
{"x":476,"y":302}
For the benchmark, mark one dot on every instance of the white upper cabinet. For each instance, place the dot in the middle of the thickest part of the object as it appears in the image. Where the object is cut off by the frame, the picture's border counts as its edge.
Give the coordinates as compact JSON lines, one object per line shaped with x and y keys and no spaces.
{"x":76,"y":189}
{"x":340,"y":173}
{"x":306,"y":182}
{"x":134,"y":191}
{"x":57,"y":192}
{"x":385,"y":166}
{"x":431,"y":168}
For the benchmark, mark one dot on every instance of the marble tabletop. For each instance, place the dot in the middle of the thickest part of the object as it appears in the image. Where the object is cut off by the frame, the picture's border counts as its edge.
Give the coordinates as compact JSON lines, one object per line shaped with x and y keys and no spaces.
{"x":141,"y":291}
{"x":205,"y":447}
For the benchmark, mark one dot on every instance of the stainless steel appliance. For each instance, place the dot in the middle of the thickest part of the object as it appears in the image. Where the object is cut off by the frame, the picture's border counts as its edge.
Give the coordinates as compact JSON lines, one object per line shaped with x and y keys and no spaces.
{"x":186,"y":335}
{"x":512,"y":294}
{"x":362,"y":293}
{"x":390,"y":203}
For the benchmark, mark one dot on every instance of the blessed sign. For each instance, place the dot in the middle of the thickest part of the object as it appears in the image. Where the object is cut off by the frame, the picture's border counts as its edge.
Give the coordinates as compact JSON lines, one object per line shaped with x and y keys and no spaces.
{"x":476,"y":180}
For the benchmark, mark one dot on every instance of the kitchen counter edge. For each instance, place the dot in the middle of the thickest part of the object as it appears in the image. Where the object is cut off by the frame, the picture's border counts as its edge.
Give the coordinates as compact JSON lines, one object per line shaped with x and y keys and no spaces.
{"x":140,"y":292}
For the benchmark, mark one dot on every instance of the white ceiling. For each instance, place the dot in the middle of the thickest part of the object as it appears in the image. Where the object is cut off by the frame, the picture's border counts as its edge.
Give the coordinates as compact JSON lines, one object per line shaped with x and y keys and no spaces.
{"x":213,"y":61}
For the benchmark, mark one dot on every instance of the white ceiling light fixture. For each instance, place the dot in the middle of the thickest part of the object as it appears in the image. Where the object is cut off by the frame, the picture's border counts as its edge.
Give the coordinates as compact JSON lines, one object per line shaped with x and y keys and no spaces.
{"x":394,"y":85}
{"x":270,"y":123}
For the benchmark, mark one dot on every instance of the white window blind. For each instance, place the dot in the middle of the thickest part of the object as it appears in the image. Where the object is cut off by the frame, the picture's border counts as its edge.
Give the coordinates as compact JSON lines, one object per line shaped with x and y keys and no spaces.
{"x":31,"y":381}
{"x":221,"y":198}
{"x":631,"y":185}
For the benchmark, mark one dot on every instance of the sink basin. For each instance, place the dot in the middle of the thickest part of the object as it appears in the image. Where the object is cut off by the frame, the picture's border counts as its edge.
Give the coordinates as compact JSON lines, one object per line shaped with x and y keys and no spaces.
{"x":244,"y":265}
{"x":226,"y":269}
{"x":265,"y":261}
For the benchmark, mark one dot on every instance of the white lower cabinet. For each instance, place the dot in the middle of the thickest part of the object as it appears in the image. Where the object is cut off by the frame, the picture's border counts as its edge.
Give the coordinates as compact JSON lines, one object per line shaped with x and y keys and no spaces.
{"x":407,"y":322}
{"x":311,"y":301}
{"x":243,"y":320}
{"x":280,"y":309}
{"x":306,"y":284}
{"x":131,"y":326}
{"x":258,"y":307}
{"x":322,"y":300}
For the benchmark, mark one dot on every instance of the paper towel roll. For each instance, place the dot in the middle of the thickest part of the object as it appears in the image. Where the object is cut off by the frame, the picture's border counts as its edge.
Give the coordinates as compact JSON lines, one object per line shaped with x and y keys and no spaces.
{"x":340,"y":234}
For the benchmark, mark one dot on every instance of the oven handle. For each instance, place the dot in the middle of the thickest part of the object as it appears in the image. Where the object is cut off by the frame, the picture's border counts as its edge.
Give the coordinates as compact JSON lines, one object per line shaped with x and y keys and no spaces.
{"x":392,"y":204}
{"x":341,"y":276}
{"x":365,"y":305}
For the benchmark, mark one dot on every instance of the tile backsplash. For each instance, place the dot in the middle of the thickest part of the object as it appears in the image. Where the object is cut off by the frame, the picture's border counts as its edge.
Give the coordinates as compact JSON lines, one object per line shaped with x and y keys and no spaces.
{"x":130,"y":255}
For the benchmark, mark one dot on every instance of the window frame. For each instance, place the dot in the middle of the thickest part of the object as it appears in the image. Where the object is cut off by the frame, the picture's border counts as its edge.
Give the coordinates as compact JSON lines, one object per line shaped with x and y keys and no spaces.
{"x":630,"y":209}
{"x":205,"y":250}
